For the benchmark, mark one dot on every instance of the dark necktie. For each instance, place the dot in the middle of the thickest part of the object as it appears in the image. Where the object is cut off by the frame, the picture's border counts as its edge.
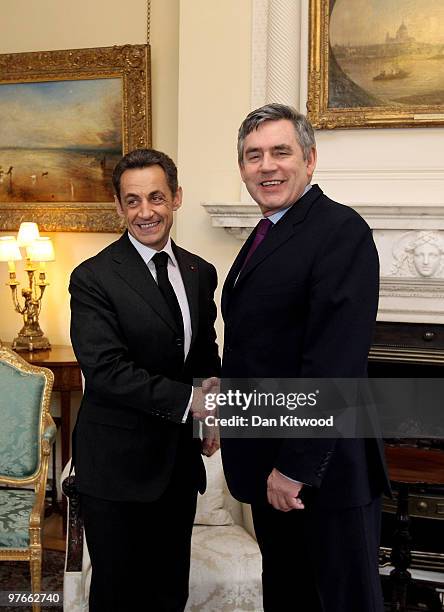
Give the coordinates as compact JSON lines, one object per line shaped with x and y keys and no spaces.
{"x":261,"y":231}
{"x":166,"y":288}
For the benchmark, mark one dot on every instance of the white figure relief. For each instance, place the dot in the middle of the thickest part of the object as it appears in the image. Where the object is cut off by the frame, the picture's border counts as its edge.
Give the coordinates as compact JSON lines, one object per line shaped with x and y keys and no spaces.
{"x":419,"y":253}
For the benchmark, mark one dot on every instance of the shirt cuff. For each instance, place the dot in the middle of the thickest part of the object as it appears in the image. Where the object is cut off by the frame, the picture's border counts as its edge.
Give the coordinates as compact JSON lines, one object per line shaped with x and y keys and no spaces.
{"x":292,"y":479}
{"x":188,"y":406}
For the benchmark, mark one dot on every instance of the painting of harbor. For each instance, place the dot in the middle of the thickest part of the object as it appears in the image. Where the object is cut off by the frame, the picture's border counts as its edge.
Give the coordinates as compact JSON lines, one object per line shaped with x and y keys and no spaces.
{"x":386,"y":53}
{"x":59,"y":140}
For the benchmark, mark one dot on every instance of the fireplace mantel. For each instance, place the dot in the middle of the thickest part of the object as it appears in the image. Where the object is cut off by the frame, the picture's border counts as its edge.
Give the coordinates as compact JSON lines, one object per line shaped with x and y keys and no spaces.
{"x":409,"y":292}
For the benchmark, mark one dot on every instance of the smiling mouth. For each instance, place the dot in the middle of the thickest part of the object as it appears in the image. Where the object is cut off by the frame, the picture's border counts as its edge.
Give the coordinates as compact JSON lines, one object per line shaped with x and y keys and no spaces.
{"x":148,"y":226}
{"x":274,"y":183}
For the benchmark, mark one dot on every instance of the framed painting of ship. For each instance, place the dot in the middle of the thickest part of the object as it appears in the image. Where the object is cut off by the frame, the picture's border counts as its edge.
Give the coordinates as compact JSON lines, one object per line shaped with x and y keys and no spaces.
{"x":376,"y":63}
{"x":67,"y":117}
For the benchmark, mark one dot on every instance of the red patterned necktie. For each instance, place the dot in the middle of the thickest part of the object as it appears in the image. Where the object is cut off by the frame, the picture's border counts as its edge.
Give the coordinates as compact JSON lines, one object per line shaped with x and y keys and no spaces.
{"x":261,"y":231}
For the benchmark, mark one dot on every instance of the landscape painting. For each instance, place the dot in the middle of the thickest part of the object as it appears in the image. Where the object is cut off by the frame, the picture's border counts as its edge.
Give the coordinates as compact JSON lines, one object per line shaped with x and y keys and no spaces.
{"x":59,"y":140}
{"x":67,"y":117}
{"x":381,"y":62}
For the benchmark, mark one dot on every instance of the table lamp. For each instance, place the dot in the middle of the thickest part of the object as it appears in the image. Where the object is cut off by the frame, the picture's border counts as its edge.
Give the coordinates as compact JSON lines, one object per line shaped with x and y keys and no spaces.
{"x":39,"y":250}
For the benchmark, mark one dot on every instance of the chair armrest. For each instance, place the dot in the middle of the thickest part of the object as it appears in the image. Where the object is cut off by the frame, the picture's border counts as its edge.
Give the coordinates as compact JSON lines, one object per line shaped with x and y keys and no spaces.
{"x":248,"y":520}
{"x":38,"y":509}
{"x":49,"y":433}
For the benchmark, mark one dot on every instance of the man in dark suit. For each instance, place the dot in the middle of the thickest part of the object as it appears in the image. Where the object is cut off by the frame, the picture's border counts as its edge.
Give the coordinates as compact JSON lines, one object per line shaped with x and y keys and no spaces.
{"x":300,"y":301}
{"x":142,"y":327}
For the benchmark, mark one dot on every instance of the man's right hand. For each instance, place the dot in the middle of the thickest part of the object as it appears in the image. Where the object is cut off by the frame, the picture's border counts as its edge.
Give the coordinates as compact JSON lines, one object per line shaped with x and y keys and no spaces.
{"x":198,"y":409}
{"x":283,"y":493}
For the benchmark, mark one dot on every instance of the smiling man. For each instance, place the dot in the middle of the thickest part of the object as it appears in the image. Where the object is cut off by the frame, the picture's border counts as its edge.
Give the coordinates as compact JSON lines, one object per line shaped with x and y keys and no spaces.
{"x":142,"y":327}
{"x":300,"y":301}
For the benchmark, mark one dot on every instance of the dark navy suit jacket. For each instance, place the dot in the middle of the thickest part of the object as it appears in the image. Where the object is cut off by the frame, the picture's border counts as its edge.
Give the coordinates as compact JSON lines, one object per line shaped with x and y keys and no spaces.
{"x":305,"y":306}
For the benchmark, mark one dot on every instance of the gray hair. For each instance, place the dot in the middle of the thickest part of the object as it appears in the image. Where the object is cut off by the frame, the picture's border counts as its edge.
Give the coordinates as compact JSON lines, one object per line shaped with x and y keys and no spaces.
{"x":275,"y":112}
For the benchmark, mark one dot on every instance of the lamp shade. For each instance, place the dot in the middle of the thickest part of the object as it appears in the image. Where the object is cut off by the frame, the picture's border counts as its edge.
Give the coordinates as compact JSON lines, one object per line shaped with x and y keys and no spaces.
{"x":27,"y":233}
{"x":9,"y":249}
{"x":41,"y":249}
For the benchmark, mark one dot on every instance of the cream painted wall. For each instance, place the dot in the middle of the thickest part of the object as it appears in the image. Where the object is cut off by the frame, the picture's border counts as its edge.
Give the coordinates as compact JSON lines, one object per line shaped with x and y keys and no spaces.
{"x":52,"y":24}
{"x":214,"y":95}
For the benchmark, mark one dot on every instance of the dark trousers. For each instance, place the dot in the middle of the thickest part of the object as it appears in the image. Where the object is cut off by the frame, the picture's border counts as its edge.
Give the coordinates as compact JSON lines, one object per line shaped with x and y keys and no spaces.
{"x":140,"y":552}
{"x":320,"y":559}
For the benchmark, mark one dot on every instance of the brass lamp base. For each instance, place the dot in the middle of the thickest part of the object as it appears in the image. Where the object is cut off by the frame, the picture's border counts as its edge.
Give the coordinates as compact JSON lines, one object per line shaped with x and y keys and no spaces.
{"x":31,"y":338}
{"x":31,"y":343}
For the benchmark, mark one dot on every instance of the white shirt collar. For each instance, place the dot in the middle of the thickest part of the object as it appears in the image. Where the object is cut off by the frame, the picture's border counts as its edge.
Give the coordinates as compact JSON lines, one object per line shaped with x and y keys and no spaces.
{"x":147,"y":253}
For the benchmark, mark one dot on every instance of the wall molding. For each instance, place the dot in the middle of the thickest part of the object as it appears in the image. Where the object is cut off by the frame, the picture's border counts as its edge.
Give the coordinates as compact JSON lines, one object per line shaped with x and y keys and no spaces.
{"x":379,"y":174}
{"x":238,"y":219}
{"x":415,"y":288}
{"x":276,"y":52}
{"x":412,"y":216}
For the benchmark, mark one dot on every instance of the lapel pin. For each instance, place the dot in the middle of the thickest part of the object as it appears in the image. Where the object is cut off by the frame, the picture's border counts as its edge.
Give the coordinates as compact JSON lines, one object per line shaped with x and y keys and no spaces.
{"x":193,"y":268}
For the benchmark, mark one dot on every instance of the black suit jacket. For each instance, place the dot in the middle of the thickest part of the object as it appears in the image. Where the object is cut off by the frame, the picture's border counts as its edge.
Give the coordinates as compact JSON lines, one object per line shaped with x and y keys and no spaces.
{"x":304,"y":306}
{"x":137,"y":386}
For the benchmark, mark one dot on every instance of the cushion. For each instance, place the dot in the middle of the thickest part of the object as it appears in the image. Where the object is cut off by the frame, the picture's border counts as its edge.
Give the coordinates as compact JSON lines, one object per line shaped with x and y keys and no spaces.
{"x":225,"y":573}
{"x":21,"y":395}
{"x":15,"y":508}
{"x":211,"y":508}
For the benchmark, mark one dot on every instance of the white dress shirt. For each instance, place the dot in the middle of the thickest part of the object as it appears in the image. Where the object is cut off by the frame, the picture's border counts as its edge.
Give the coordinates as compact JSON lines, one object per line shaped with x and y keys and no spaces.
{"x":176,"y":281}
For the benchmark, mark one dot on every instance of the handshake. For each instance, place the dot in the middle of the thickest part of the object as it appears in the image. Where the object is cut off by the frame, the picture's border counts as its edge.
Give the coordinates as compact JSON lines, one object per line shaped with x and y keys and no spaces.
{"x":211,"y":438}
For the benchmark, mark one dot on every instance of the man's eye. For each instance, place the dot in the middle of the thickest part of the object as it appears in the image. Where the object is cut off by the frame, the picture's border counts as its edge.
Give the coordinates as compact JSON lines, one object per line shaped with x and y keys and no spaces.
{"x":158,"y":198}
{"x":131,"y":203}
{"x":253,"y":157}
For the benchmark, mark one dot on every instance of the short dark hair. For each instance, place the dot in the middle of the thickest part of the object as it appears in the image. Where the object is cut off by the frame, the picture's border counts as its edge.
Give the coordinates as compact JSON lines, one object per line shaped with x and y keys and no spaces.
{"x":275,"y":112}
{"x":144,"y":158}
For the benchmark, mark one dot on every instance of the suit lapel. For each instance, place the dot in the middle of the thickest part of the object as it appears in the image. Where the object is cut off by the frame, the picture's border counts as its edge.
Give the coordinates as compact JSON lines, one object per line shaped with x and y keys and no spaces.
{"x":237,"y":264}
{"x":130,"y":266}
{"x":189,"y":271}
{"x":281,"y":232}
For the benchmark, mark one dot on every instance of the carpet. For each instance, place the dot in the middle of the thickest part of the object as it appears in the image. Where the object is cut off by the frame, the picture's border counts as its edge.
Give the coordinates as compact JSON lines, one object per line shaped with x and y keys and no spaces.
{"x":14,"y":576}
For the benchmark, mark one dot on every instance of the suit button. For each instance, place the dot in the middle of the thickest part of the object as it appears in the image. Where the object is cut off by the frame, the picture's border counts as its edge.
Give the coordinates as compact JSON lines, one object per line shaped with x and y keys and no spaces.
{"x":227,"y":348}
{"x":179,"y":341}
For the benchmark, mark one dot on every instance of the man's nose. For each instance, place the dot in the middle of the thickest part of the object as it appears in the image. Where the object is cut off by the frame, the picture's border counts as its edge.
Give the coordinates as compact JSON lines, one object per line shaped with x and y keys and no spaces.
{"x":268,"y":163}
{"x":145,"y":210}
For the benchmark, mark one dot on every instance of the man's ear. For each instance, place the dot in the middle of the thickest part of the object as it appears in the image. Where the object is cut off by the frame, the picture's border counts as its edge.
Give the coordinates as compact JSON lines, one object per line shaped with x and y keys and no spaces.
{"x":177,"y":200}
{"x":311,"y":162}
{"x":242,"y":170}
{"x":119,"y":207}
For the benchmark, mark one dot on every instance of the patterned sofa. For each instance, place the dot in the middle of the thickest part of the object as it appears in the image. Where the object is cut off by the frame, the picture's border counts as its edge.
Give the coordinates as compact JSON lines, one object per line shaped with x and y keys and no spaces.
{"x":225,"y":558}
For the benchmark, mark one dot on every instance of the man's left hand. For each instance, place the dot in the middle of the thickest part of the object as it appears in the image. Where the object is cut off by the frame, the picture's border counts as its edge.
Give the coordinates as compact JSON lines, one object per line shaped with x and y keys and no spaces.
{"x":282,"y":493}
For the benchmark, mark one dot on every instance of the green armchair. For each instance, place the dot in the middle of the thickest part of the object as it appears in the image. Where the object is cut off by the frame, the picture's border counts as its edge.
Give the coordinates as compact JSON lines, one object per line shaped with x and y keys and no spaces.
{"x":27,"y":432}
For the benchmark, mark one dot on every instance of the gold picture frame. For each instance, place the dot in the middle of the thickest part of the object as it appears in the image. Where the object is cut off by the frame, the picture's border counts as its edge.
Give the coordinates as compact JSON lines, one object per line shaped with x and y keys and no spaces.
{"x":48,"y":84}
{"x":369,"y":71}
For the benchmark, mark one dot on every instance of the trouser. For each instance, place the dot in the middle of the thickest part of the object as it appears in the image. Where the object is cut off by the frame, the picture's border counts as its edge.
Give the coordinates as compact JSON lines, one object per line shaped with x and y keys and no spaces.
{"x":140,"y":552}
{"x":320,"y":559}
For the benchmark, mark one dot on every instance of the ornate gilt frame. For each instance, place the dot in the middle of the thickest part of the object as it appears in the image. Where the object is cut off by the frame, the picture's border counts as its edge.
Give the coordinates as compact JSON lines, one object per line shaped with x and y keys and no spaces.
{"x":131,"y":63}
{"x":324,"y":117}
